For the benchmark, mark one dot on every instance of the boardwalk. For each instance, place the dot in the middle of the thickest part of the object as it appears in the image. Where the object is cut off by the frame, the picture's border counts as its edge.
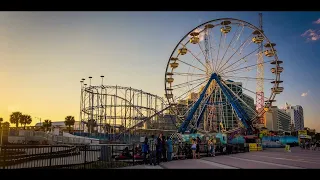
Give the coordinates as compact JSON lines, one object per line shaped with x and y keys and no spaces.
{"x":267,"y":159}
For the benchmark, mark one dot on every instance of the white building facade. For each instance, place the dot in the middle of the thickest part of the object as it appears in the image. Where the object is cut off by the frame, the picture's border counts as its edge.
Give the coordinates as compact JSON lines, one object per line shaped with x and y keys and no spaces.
{"x":297,"y":117}
{"x":278,"y":120}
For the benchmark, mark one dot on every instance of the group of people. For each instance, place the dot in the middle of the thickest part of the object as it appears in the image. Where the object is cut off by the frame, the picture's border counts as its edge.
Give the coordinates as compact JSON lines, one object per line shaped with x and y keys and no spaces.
{"x":312,"y":145}
{"x":195,"y":147}
{"x":159,"y":148}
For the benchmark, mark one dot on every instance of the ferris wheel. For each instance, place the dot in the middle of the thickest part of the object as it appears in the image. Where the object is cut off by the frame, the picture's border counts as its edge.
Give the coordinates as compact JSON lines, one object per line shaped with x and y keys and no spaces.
{"x":211,"y":77}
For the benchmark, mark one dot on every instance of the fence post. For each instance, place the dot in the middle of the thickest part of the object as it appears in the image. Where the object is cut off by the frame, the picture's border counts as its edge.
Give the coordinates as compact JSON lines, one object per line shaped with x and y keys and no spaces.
{"x":133,"y":154}
{"x":85,"y":156}
{"x":111,"y":156}
{"x":50,"y":156}
{"x":4,"y":156}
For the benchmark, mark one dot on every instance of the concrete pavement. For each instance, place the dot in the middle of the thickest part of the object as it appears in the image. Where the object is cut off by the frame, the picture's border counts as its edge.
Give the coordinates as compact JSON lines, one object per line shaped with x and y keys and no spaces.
{"x":267,"y":159}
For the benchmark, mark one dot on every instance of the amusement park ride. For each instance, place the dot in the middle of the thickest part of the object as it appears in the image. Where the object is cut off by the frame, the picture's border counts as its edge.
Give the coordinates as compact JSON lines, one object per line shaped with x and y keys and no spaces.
{"x":207,"y":81}
{"x":218,"y":74}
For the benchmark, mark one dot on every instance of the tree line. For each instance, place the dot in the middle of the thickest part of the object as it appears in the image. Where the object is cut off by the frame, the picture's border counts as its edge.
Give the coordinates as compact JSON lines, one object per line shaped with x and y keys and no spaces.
{"x":17,"y":118}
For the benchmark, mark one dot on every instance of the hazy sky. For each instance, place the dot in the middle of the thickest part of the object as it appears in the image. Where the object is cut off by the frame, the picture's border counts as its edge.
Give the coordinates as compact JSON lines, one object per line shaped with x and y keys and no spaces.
{"x":45,"y":54}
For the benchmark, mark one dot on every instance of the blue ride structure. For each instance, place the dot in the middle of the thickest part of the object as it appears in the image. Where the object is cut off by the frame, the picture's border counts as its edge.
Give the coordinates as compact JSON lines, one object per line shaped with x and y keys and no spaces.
{"x":241,"y":113}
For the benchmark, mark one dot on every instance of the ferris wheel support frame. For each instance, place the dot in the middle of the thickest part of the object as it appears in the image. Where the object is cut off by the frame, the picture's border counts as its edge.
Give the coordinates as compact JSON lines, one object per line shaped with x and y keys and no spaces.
{"x":243,"y":116}
{"x":193,"y":130}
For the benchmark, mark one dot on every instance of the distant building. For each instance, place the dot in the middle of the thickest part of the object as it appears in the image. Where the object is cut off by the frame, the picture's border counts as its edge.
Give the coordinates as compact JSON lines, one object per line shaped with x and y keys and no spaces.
{"x":60,"y":124}
{"x":278,"y":120}
{"x":296,"y":114}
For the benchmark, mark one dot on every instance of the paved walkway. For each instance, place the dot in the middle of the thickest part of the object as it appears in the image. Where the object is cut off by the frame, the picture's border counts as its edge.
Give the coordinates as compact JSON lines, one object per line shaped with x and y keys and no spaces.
{"x":267,"y":159}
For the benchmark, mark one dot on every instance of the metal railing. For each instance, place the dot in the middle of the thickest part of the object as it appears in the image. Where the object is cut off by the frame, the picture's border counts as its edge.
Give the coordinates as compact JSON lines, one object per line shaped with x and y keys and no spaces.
{"x":66,"y":156}
{"x":102,"y":156}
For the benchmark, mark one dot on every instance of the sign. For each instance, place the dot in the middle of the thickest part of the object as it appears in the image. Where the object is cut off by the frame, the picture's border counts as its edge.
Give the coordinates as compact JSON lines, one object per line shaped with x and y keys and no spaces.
{"x":253,"y":146}
{"x":264,"y":132}
{"x":302,"y":132}
{"x":304,"y":136}
{"x":287,"y":148}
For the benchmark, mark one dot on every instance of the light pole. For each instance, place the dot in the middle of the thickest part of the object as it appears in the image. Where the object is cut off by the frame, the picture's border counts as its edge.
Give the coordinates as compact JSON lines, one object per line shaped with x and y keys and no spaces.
{"x":81,"y":104}
{"x":39,"y":120}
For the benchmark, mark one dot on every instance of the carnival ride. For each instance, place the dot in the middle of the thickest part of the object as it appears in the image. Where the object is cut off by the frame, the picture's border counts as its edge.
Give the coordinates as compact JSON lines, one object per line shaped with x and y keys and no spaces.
{"x":113,"y":110}
{"x":210,"y":74}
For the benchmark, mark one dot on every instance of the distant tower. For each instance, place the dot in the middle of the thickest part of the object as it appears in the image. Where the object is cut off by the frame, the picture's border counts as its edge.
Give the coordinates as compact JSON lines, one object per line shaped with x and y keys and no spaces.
{"x":260,"y":77}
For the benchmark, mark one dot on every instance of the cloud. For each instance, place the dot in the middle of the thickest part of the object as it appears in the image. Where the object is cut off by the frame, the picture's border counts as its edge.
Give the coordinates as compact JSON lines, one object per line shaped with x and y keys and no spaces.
{"x":305,"y":94}
{"x":317,"y":21}
{"x":311,"y":35}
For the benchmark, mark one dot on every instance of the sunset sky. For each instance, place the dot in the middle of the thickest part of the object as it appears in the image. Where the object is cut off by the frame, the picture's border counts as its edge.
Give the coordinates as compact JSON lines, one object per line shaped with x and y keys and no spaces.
{"x":44,"y":55}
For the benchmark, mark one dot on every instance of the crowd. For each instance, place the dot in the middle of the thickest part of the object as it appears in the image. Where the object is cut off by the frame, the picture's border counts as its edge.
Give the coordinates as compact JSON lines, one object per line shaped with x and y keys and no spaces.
{"x":161,"y":149}
{"x":311,"y":145}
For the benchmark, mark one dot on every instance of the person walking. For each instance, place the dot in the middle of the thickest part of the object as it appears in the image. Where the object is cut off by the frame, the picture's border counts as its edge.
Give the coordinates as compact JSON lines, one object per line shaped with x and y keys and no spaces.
{"x":194,"y":148}
{"x":159,"y":148}
{"x":164,"y":148}
{"x":145,"y":150}
{"x":169,"y":149}
{"x":152,"y":149}
{"x":210,"y":147}
{"x":213,"y":148}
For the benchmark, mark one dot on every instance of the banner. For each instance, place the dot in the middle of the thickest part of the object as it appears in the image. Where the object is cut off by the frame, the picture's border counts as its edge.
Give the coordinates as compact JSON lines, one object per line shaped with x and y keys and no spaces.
{"x":302,"y":132}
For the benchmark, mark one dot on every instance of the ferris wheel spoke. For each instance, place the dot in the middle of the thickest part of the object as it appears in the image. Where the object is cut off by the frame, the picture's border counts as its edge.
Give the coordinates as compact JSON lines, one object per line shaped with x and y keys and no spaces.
{"x":198,"y":58}
{"x":249,"y":66}
{"x":248,"y":78}
{"x":191,"y":89}
{"x":219,"y":47}
{"x":242,"y":58}
{"x":187,"y":83}
{"x":233,"y":54}
{"x":191,"y":65}
{"x":250,"y":91}
{"x":210,"y":45}
{"x":205,"y":56}
{"x":238,"y":37}
{"x":189,"y":74}
{"x":234,"y":35}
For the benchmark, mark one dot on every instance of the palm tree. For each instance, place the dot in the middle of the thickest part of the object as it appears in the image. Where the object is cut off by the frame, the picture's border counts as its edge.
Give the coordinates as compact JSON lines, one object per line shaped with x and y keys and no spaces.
{"x":46,"y":124}
{"x":69,"y":121}
{"x":1,"y":119}
{"x":22,"y":120}
{"x":15,"y":118}
{"x":6,"y":125}
{"x":25,"y":119}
